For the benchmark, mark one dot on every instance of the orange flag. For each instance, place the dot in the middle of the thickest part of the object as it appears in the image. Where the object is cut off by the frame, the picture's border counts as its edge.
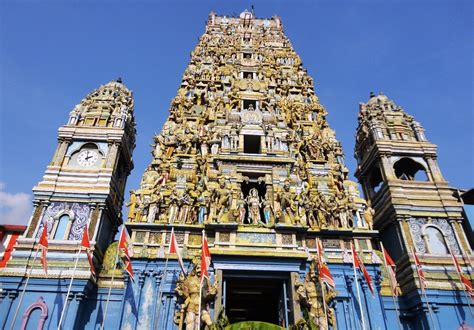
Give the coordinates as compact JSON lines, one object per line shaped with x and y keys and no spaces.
{"x":390,"y":265}
{"x":43,"y":243}
{"x":419,"y":270}
{"x":173,"y":249}
{"x":205,"y":258}
{"x":123,"y":246}
{"x":464,"y":280}
{"x":360,"y":265}
{"x":85,"y":243}
{"x":323,"y":269}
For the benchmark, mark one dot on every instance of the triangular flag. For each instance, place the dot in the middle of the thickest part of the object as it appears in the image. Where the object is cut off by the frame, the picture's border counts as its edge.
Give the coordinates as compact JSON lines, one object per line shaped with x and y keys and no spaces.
{"x":173,"y":249}
{"x":323,"y":269}
{"x":205,"y":258}
{"x":464,"y":280}
{"x":43,"y":243}
{"x":391,"y":267}
{"x":419,"y":270}
{"x":359,"y":264}
{"x":85,"y":243}
{"x":123,"y":246}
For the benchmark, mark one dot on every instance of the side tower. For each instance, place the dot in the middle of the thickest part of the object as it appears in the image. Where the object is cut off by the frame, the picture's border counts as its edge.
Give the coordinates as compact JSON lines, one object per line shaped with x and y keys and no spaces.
{"x":414,"y":207}
{"x":83,"y":184}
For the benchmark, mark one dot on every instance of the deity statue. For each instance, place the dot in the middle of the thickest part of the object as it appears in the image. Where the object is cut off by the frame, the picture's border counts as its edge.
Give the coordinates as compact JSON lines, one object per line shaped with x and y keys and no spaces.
{"x":241,"y":204}
{"x":310,"y":295}
{"x":221,"y":198}
{"x":369,"y":215}
{"x":173,"y":206}
{"x":254,"y":202}
{"x":268,"y":210}
{"x":131,"y":206}
{"x":153,"y":206}
{"x":287,"y":203}
{"x":188,"y":287}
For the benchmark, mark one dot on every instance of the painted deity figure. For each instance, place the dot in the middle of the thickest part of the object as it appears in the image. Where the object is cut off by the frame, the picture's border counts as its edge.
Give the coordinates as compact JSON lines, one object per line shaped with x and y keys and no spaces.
{"x":188,"y":288}
{"x":310,"y":296}
{"x":221,"y":198}
{"x":369,"y":215}
{"x":288,"y":205}
{"x":254,"y":202}
{"x":241,"y":204}
{"x":173,"y":206}
{"x":268,"y":210}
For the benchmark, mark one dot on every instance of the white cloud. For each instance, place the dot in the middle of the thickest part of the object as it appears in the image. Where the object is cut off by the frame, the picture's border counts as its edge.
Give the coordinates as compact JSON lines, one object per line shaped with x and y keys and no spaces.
{"x":15,"y":209}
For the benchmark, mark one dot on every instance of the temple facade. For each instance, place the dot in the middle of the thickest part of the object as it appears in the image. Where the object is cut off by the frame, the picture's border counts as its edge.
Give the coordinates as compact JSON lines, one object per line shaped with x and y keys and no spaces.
{"x":246,"y":160}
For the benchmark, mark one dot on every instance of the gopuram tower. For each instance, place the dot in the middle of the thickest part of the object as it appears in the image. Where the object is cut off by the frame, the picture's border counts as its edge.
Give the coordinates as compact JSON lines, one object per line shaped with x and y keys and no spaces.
{"x":250,"y":181}
{"x":247,"y":155}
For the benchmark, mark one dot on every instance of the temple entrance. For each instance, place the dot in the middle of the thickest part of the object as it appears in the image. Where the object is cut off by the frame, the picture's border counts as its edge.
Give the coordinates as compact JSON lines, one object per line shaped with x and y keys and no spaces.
{"x":256,"y":298}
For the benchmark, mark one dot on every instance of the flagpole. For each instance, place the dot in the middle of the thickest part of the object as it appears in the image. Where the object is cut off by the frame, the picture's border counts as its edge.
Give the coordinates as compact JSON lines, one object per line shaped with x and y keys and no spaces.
{"x":110,"y":287}
{"x":200,"y":299}
{"x":70,"y":286}
{"x":324,"y":303}
{"x":392,"y":286}
{"x":423,"y":286}
{"x":320,"y":259}
{"x":357,"y":287}
{"x":429,"y":308}
{"x":24,"y":287}
{"x":200,"y":285}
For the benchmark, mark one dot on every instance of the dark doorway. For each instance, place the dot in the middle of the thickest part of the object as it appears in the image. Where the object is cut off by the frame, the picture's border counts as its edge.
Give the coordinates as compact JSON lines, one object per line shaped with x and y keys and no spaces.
{"x":253,"y":299}
{"x":252,"y":144}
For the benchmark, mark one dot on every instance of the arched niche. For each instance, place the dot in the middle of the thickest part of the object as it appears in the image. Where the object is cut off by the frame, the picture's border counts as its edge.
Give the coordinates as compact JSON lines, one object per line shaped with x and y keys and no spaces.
{"x":435,"y":240}
{"x":31,"y":319}
{"x":410,"y":170}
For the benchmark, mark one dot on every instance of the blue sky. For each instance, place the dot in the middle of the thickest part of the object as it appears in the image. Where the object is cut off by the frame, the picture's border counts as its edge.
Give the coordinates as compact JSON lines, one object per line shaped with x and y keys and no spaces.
{"x":52,"y":53}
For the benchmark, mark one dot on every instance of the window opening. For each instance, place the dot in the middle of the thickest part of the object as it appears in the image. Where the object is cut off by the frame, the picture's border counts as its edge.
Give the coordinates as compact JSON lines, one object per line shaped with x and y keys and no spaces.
{"x":250,"y":105}
{"x":408,"y":169}
{"x":376,"y":180}
{"x":247,"y":75}
{"x":61,"y":227}
{"x":252,"y":144}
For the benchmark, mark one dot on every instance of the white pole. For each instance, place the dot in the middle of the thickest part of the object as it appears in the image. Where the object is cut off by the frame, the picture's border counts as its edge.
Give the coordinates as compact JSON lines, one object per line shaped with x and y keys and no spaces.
{"x":70,"y":286}
{"x":200,"y":298}
{"x":392,"y":286}
{"x":24,"y":288}
{"x":110,"y":287}
{"x":357,"y":287}
{"x":200,"y":285}
{"x":429,"y":309}
{"x":324,"y":302}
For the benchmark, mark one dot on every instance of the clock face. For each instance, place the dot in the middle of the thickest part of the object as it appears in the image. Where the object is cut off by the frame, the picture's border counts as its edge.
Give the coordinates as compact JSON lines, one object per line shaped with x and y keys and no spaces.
{"x":87,"y":157}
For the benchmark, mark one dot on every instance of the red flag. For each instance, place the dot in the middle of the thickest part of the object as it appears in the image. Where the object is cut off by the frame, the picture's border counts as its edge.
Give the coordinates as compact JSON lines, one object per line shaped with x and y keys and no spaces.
{"x":173,"y":249}
{"x":323,"y":269}
{"x":359,"y":264}
{"x":419,"y":270}
{"x":123,"y":246}
{"x":390,"y":266}
{"x":43,"y":243}
{"x":86,"y":244}
{"x":205,"y":258}
{"x":464,"y":280}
